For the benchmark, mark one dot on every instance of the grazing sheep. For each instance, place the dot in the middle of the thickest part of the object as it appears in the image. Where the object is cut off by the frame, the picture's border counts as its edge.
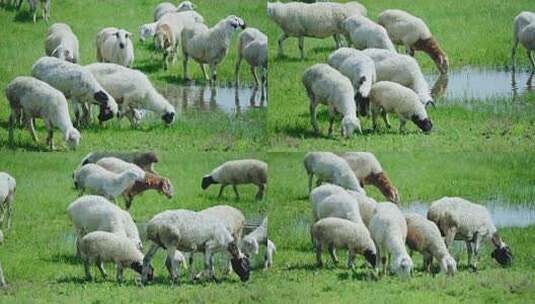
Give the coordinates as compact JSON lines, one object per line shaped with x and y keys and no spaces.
{"x":45,"y":6}
{"x":424,"y":237}
{"x":178,"y":22}
{"x":78,"y":84}
{"x":133,"y":90}
{"x":388,"y":229}
{"x":209,"y":46}
{"x":230,"y":217}
{"x":62,"y":43}
{"x":167,"y":41}
{"x":97,"y":180}
{"x":191,"y":231}
{"x":363,"y":33}
{"x":390,"y":97}
{"x":327,"y":86}
{"x":332,"y":201}
{"x":8,"y":186}
{"x":101,"y":246}
{"x":250,"y":244}
{"x":147,"y":30}
{"x":238,"y":172}
{"x":31,"y":98}
{"x":360,"y":69}
{"x":524,"y":32}
{"x":369,"y":171}
{"x":337,"y":233}
{"x":317,"y":20}
{"x":330,"y":168}
{"x":145,"y":160}
{"x":115,"y":46}
{"x":253,"y":47}
{"x":163,"y":8}
{"x":459,"y":219}
{"x":402,"y":69}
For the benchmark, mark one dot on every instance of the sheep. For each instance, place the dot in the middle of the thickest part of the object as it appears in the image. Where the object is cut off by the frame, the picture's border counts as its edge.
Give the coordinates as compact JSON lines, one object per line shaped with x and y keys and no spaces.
{"x":402,"y":69}
{"x":144,"y":159}
{"x":97,"y":180}
{"x":524,"y":32}
{"x":327,"y":86}
{"x":78,"y":84}
{"x":45,"y":5}
{"x":115,"y":46}
{"x":369,"y":171}
{"x":147,"y":30}
{"x":133,"y":90}
{"x":360,"y":69}
{"x":95,"y":213}
{"x":328,"y":167}
{"x":178,"y":22}
{"x":459,"y":219}
{"x":424,"y":237}
{"x":32,"y":98}
{"x":412,"y":32}
{"x":101,"y":246}
{"x":8,"y":186}
{"x":238,"y":172}
{"x":388,"y":229}
{"x":232,"y":218}
{"x":209,"y":46}
{"x":62,"y":43}
{"x":390,"y":97}
{"x":253,"y":47}
{"x":3,"y":283}
{"x":340,"y":233}
{"x":363,"y":33}
{"x":167,"y":41}
{"x":191,"y":231}
{"x":163,"y":8}
{"x":250,"y":244}
{"x":317,"y":20}
{"x":331,"y":201}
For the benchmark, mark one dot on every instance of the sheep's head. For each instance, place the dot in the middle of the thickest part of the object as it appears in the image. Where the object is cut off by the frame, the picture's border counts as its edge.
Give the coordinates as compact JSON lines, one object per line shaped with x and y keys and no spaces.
{"x":185,"y":6}
{"x":370,"y":256}
{"x":166,"y":188}
{"x":448,"y":265}
{"x":138,"y":267}
{"x":207,"y":181}
{"x":235,"y":22}
{"x":145,"y":31}
{"x":424,"y":124}
{"x":72,"y":137}
{"x":403,"y":266}
{"x":349,"y":125}
{"x":503,"y":255}
{"x":240,"y":263}
{"x":168,"y":117}
{"x":64,"y":54}
{"x":122,"y":38}
{"x":250,"y":246}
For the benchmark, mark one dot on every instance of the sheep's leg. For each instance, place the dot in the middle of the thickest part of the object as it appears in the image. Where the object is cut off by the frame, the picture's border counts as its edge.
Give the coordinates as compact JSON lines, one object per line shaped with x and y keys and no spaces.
{"x":146,"y":262}
{"x":260,"y":193}
{"x":173,"y":273}
{"x":386,"y":261}
{"x":470,"y":252}
{"x":235,"y":188}
{"x":313,"y":114}
{"x":221,"y":191}
{"x":428,"y":262}
{"x":213,"y":73}
{"x":49,"y":139}
{"x":119,"y":275}
{"x":337,"y":40}
{"x":513,"y":53}
{"x":2,"y":279}
{"x":86,"y":109}
{"x":2,"y":213}
{"x":332,"y":252}
{"x":402,"y":123}
{"x":310,"y":179}
{"x":475,"y":250}
{"x":10,"y":127}
{"x":332,"y":115}
{"x":351,"y":258}
{"x":302,"y":47}
{"x":9,"y":211}
{"x":237,"y":71}
{"x":185,"y":66}
{"x":268,"y":257}
{"x":385,"y":119}
{"x":449,"y":236}
{"x":255,"y":76}
{"x":318,"y":254}
{"x":208,"y":265}
{"x":375,"y":112}
{"x":282,"y":37}
{"x":30,"y":126}
{"x":348,"y":40}
{"x":87,"y":271}
{"x":531,"y":59}
{"x":100,"y":266}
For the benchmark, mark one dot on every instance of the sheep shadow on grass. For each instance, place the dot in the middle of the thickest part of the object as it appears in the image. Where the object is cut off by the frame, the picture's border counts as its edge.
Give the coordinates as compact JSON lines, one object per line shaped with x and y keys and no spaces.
{"x":8,"y":7}
{"x":24,"y":16}
{"x":149,"y":66}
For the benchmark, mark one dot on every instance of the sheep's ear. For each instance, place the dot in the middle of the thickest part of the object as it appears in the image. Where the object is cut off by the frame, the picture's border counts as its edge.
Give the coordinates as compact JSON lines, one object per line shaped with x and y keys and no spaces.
{"x":116,"y":34}
{"x":362,"y":80}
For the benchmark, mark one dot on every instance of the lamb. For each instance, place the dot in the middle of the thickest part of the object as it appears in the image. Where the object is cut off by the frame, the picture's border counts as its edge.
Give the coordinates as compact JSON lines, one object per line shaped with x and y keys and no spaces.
{"x":77,"y":84}
{"x":133,"y":90}
{"x":369,"y":171}
{"x":363,"y":33}
{"x":388,"y":229}
{"x":62,"y":43}
{"x":250,"y":244}
{"x":317,"y":20}
{"x":360,"y":69}
{"x":32,"y":98}
{"x":209,"y":46}
{"x":101,"y":246}
{"x":8,"y":186}
{"x":459,"y":219}
{"x":326,"y":85}
{"x":328,"y":167}
{"x":191,"y":231}
{"x":167,"y":41}
{"x":114,"y":45}
{"x":524,"y":32}
{"x":253,"y":47}
{"x":424,"y":237}
{"x":390,"y":97}
{"x":412,"y":32}
{"x":402,"y":69}
{"x":45,"y":5}
{"x":340,"y":233}
{"x":147,"y":30}
{"x":238,"y":172}
{"x":97,"y":180}
{"x":144,"y":159}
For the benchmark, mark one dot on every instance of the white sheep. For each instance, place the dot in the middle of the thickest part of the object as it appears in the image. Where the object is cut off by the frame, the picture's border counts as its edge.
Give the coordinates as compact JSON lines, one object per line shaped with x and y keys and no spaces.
{"x":238,"y":172}
{"x":337,"y":233}
{"x":459,"y":219}
{"x":147,"y":30}
{"x":178,"y":21}
{"x":32,"y":98}
{"x":3,"y":283}
{"x":424,"y":237}
{"x":250,"y":244}
{"x":115,"y":45}
{"x":45,"y":5}
{"x":101,"y":246}
{"x":329,"y":167}
{"x":524,"y":32}
{"x":317,"y":20}
{"x":133,"y":90}
{"x":369,"y":171}
{"x":327,"y":86}
{"x":390,"y":97}
{"x":402,"y":69}
{"x":253,"y":47}
{"x":191,"y":231}
{"x":363,"y":33}
{"x":388,"y":229}
{"x":62,"y":43}
{"x":166,"y":40}
{"x":77,"y":84}
{"x":144,"y":159}
{"x":412,"y":32}
{"x":8,"y":186}
{"x":209,"y":45}
{"x":332,"y":201}
{"x":231,"y":218}
{"x":162,"y":9}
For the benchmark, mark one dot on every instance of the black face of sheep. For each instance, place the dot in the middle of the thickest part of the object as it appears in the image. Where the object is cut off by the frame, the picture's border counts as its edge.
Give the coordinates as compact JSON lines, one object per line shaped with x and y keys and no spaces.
{"x":371,"y":257}
{"x":105,"y":113}
{"x":168,"y":117}
{"x":101,"y":97}
{"x":138,"y":267}
{"x":363,"y":104}
{"x":241,"y":267}
{"x":424,"y":124}
{"x":503,"y":256}
{"x":207,"y":181}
